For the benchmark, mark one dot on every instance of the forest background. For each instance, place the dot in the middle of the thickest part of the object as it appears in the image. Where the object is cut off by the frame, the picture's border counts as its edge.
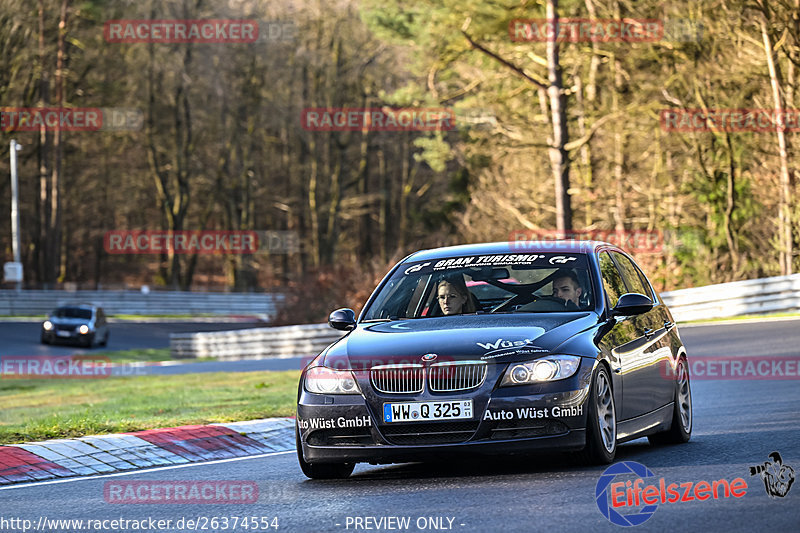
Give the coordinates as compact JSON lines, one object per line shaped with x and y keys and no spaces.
{"x":548,"y":136}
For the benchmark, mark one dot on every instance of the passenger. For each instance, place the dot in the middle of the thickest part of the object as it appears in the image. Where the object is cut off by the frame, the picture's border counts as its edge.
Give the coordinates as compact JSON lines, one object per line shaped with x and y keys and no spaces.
{"x":567,"y":287}
{"x":454,"y":297}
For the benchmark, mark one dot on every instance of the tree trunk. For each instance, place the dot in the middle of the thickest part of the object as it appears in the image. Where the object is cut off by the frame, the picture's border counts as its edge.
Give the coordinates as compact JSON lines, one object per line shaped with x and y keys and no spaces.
{"x":586,"y":156}
{"x":619,"y":153}
{"x":784,"y":216}
{"x":559,"y":160}
{"x":55,"y":273}
{"x":45,"y":140}
{"x":730,"y":206}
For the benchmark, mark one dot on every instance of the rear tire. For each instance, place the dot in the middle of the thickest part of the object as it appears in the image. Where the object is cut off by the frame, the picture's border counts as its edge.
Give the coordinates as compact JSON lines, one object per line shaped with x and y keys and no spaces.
{"x":601,"y":421}
{"x":681,"y":429}
{"x":321,"y":470}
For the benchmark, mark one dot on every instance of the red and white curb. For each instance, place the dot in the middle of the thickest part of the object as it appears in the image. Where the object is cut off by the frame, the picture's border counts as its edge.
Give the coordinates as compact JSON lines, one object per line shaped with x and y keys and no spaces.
{"x":103,"y":454}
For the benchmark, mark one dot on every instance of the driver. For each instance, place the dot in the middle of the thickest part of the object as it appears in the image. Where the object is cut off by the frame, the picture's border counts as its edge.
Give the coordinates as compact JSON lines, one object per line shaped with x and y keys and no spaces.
{"x":567,"y":287}
{"x":453,"y":296}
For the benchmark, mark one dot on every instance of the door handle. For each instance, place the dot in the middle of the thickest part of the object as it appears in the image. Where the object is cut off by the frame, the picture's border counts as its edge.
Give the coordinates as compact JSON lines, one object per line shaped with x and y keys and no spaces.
{"x":648,"y":333}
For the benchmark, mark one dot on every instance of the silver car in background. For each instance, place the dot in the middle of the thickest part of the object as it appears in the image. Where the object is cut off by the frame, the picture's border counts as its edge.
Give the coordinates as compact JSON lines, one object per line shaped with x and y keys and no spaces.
{"x":84,"y":324}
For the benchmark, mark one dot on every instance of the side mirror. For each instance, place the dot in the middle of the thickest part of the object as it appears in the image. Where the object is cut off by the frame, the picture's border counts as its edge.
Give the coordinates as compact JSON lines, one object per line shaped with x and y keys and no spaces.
{"x":632,"y":303}
{"x":343,"y":319}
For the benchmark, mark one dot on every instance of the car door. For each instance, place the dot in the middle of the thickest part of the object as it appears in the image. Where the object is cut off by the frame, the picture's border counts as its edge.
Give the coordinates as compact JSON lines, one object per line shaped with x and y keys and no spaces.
{"x":650,"y":357}
{"x":101,"y":326}
{"x":621,"y":340}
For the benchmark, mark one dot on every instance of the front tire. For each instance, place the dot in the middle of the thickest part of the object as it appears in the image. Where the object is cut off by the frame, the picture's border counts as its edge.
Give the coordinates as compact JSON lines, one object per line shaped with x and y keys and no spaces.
{"x":321,"y":470}
{"x":681,"y":429}
{"x":88,"y":341}
{"x":601,"y":421}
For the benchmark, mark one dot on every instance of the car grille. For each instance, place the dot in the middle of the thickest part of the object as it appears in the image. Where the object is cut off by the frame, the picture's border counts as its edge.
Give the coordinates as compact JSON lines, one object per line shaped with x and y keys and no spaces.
{"x":63,"y":327}
{"x":431,"y":433}
{"x":397,"y":378}
{"x":462,"y":375}
{"x":442,"y":377}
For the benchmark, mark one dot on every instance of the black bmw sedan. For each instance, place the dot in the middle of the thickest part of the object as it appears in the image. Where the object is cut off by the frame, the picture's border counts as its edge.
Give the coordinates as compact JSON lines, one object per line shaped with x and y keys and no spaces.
{"x":497,"y":349}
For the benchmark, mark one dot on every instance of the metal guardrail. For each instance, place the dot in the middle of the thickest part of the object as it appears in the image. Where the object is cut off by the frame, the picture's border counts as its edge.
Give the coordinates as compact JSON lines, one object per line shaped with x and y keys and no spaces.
{"x":139,"y":303}
{"x":769,"y":295}
{"x":258,"y":343}
{"x":750,"y":297}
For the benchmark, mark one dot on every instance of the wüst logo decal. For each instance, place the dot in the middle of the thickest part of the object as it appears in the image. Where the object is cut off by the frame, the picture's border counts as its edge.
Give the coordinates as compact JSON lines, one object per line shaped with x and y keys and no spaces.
{"x":641,"y":499}
{"x":777,"y":476}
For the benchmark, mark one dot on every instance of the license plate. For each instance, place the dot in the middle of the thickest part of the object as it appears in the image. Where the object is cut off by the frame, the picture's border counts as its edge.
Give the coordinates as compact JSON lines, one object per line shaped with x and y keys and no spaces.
{"x":63,"y":333}
{"x":416,"y":411}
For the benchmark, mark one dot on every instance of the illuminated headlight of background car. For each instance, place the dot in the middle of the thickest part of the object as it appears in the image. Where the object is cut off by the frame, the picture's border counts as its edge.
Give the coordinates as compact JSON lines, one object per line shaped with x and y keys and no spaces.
{"x":323,"y":380}
{"x":47,"y":325}
{"x":549,"y":368}
{"x":84,"y":329}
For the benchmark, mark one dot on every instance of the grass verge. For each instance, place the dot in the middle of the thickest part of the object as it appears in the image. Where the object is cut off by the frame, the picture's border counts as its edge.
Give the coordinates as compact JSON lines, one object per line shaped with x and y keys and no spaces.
{"x":35,"y":410}
{"x":139,"y":355}
{"x":143,"y":355}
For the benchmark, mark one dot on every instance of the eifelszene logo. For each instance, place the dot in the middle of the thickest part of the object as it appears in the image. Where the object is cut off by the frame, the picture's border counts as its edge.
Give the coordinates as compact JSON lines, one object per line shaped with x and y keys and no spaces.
{"x":614,"y":497}
{"x":777,"y":477}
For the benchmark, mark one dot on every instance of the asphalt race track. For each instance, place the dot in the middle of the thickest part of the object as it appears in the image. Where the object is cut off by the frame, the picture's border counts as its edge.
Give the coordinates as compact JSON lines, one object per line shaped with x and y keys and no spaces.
{"x":22,"y":337}
{"x":737,"y":424}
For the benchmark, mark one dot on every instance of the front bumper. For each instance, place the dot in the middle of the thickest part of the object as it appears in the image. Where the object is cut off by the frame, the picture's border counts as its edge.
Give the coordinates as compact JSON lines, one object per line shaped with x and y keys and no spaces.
{"x":508,"y":420}
{"x":66,"y":335}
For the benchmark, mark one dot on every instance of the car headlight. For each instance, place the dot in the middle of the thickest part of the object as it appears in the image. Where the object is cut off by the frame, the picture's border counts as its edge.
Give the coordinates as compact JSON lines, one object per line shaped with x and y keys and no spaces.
{"x":84,"y":329}
{"x":323,"y":380}
{"x":550,"y":368}
{"x":47,"y":325}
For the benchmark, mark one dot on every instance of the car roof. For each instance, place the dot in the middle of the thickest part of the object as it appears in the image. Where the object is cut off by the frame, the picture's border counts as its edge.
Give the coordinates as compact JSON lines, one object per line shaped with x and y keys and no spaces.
{"x":509,"y":247}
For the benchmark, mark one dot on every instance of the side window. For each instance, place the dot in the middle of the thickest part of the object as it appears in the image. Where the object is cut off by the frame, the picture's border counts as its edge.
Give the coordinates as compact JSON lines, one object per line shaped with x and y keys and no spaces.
{"x":631,"y":275}
{"x":612,"y":281}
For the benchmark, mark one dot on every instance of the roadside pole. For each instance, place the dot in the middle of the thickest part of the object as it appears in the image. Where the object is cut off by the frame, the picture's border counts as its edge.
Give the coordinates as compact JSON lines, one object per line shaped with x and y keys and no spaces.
{"x":15,"y":146}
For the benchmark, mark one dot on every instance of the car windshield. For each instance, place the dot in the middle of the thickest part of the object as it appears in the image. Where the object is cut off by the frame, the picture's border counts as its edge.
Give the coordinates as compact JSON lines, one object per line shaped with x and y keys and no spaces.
{"x":498,"y":283}
{"x":72,"y":312}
